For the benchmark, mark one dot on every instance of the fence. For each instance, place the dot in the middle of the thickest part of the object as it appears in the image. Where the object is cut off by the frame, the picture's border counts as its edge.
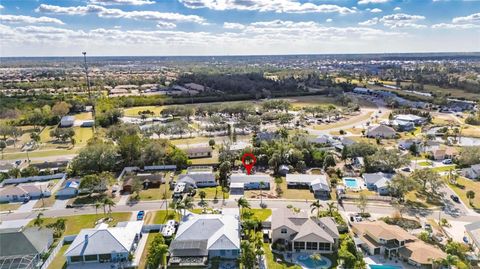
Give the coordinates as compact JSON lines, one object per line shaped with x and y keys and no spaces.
{"x":372,"y":198}
{"x":52,"y":255}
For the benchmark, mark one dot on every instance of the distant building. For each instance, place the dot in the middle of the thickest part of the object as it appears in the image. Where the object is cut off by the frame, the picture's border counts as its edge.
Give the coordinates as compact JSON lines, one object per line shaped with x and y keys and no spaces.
{"x":473,"y":172}
{"x":69,"y":188}
{"x":440,"y":154}
{"x":241,"y":182}
{"x":318,"y":184}
{"x":23,"y":247}
{"x":22,"y":193}
{"x":105,"y":244}
{"x":381,"y":131}
{"x":296,"y":231}
{"x":410,"y":118}
{"x":199,"y":152}
{"x":206,"y":236}
{"x":473,"y":236}
{"x":67,"y":121}
{"x":377,"y":182}
{"x":199,"y":180}
{"x":359,"y":90}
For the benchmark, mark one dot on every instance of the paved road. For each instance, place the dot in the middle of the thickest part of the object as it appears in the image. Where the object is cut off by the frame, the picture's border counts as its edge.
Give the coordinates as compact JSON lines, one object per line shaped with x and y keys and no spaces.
{"x":348,"y":207}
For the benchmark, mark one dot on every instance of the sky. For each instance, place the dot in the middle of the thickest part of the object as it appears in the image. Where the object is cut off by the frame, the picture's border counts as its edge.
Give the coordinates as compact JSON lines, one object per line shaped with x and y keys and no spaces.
{"x":236,"y":27}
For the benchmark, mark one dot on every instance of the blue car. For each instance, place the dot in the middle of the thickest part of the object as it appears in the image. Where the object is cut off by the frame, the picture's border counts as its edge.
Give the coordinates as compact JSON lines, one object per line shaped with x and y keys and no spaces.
{"x":140,"y":215}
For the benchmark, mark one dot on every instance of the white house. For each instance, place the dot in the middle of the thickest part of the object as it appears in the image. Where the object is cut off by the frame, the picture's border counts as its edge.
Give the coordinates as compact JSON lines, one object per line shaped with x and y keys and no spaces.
{"x":206,"y":236}
{"x":473,"y":172}
{"x":249,"y":182}
{"x":381,"y":131}
{"x":318,"y":184}
{"x":22,"y":193}
{"x":69,"y":188}
{"x":67,"y":121}
{"x":377,"y":182}
{"x":105,"y":244}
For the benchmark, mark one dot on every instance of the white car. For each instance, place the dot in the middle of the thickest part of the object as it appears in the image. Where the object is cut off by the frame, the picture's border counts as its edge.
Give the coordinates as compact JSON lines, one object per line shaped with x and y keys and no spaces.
{"x":447,"y":161}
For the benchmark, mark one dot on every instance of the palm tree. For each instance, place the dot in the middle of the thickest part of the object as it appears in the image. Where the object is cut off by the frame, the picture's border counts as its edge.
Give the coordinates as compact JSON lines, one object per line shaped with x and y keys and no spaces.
{"x":331,"y":207}
{"x":450,"y":260}
{"x":470,"y":195}
{"x":315,"y":206}
{"x":162,"y":251}
{"x":262,"y":185}
{"x":38,"y":220}
{"x":202,"y":195}
{"x":108,"y":202}
{"x":97,"y":205}
{"x":242,"y":203}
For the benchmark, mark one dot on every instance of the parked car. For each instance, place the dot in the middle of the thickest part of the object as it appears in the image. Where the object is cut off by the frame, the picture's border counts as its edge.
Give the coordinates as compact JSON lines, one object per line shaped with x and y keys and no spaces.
{"x":455,"y":198}
{"x":447,"y":161}
{"x":140,"y":215}
{"x":406,"y":169}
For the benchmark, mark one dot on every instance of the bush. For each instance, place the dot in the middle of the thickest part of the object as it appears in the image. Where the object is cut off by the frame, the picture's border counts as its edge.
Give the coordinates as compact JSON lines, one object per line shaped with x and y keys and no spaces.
{"x":407,"y":224}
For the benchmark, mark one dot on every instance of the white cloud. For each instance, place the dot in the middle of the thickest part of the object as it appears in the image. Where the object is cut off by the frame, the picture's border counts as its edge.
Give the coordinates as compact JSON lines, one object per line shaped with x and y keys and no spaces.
{"x":122,"y":2}
{"x":474,"y":18}
{"x":233,"y":26}
{"x":278,"y":6}
{"x":28,"y":19}
{"x":370,"y":22}
{"x":104,"y":12}
{"x":364,"y":2}
{"x":328,"y":20}
{"x":455,"y":26}
{"x":376,"y":10}
{"x":397,"y":9}
{"x":166,"y":25}
{"x":2,"y":7}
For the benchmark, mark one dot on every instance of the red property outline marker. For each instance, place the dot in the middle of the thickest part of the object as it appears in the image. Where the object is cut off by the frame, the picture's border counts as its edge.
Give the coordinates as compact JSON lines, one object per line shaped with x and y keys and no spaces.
{"x":249,"y":165}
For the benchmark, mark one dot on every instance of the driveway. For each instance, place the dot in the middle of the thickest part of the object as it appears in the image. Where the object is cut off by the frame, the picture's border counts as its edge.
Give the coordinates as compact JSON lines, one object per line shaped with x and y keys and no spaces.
{"x":27,"y":207}
{"x":60,"y":203}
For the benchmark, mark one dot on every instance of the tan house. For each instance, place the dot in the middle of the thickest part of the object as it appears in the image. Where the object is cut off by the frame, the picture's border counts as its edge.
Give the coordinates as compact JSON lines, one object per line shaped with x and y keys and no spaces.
{"x":296,"y":231}
{"x":440,"y":154}
{"x":379,"y":238}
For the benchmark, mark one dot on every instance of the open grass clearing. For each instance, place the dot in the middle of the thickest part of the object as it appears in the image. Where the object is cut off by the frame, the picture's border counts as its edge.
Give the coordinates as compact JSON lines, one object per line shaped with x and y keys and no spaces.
{"x":301,"y":194}
{"x":156,"y":193}
{"x":444,"y":168}
{"x":84,"y":116}
{"x":463,"y":185}
{"x":344,"y":122}
{"x":133,"y":111}
{"x":9,"y":206}
{"x":161,"y":216}
{"x":82,"y":135}
{"x":212,"y":193}
{"x":260,"y":214}
{"x":422,"y":200}
{"x":74,"y":224}
{"x":47,"y":202}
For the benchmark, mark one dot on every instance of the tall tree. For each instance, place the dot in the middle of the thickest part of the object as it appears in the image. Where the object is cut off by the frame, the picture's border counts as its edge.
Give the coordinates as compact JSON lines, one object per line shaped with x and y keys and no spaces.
{"x":315,"y":206}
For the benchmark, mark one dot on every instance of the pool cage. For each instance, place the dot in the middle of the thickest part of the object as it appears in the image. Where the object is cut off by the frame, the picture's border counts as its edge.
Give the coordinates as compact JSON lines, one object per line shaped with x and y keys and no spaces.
{"x":18,"y":262}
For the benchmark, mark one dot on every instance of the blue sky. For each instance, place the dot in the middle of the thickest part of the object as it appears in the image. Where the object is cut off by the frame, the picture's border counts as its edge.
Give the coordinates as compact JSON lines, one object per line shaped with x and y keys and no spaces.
{"x":236,"y":27}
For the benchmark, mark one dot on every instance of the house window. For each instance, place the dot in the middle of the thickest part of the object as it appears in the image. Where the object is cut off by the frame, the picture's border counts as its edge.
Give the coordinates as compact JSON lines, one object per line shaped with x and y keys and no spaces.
{"x":324,"y":246}
{"x":90,"y":258}
{"x":222,"y":252}
{"x":299,"y":245}
{"x":312,"y":245}
{"x":76,"y":259}
{"x":104,"y":257}
{"x":283,"y":231}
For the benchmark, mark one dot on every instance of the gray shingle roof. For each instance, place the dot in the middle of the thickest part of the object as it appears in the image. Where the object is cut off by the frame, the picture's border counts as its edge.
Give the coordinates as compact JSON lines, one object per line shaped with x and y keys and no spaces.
{"x":24,"y":242}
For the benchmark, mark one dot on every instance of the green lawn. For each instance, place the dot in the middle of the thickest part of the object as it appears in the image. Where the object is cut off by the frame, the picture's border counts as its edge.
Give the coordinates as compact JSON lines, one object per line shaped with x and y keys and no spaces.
{"x":295,"y":193}
{"x":82,"y":135}
{"x":422,"y":200}
{"x":9,"y":206}
{"x":445,"y":168}
{"x":211,"y":192}
{"x":424,"y":163}
{"x":260,"y":214}
{"x":59,"y":261}
{"x":271,"y":260}
{"x":464,"y":185}
{"x":76,"y":223}
{"x":41,"y":153}
{"x":143,"y":259}
{"x":84,"y":116}
{"x":161,"y":216}
{"x":155,"y":193}
{"x":133,"y":111}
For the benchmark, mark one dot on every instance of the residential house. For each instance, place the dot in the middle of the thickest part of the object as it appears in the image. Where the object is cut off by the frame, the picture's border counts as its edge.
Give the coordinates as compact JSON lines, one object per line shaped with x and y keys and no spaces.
{"x":379,"y":238}
{"x":407,"y":143}
{"x":22,"y":193}
{"x":206,"y":236}
{"x":54,"y":166}
{"x":377,"y":182}
{"x":67,"y":121}
{"x":322,"y":140}
{"x":267,"y":136}
{"x":296,"y":231}
{"x":443,"y":153}
{"x":69,"y":188}
{"x":24,"y":247}
{"x":381,"y":131}
{"x":198,"y":180}
{"x":6,"y":166}
{"x":283,"y":170}
{"x":473,"y":235}
{"x":318,"y":184}
{"x":358,"y":162}
{"x":359,"y":90}
{"x":241,"y":182}
{"x":147,"y":180}
{"x":199,"y":152}
{"x":416,"y":120}
{"x":105,"y":244}
{"x":402,"y":126}
{"x":473,"y":172}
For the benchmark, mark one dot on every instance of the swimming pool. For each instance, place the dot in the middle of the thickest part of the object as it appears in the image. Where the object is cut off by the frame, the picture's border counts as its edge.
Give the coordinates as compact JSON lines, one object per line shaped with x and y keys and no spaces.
{"x":351,"y":183}
{"x":377,"y":266}
{"x":306,"y":262}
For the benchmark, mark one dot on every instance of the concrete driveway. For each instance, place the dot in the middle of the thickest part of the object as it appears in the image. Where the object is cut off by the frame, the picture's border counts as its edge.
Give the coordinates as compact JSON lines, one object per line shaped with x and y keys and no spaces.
{"x":60,"y":203}
{"x":27,"y":207}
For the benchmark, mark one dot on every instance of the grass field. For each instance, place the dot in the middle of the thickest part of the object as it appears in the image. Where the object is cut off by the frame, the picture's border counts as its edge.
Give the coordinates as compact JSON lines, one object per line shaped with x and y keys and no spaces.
{"x":82,"y":135}
{"x":41,"y":153}
{"x":76,"y":223}
{"x":271,"y":260}
{"x":161,"y":216}
{"x":211,"y":192}
{"x":417,"y":199}
{"x":340,"y":123}
{"x":133,"y":111}
{"x":444,"y":168}
{"x":464,"y":185}
{"x":260,"y":214}
{"x":155,"y":193}
{"x":9,"y":206}
{"x":59,"y":261}
{"x":84,"y":116}
{"x":295,"y":193}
